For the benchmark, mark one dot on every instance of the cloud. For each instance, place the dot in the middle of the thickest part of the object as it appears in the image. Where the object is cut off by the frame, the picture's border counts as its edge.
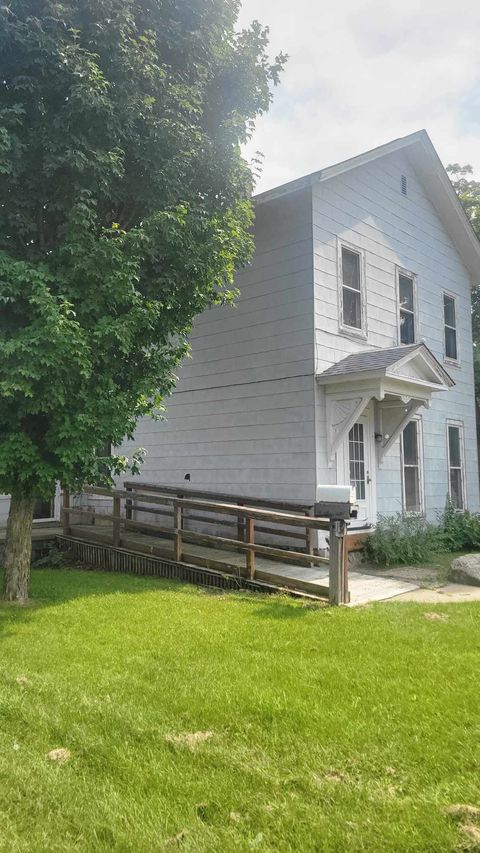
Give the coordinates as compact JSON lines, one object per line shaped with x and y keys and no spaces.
{"x":363,"y":72}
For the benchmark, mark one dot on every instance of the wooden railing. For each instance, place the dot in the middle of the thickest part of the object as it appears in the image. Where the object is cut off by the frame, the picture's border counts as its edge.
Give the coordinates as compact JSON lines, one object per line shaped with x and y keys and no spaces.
{"x":249,"y":519}
{"x":305,"y":537}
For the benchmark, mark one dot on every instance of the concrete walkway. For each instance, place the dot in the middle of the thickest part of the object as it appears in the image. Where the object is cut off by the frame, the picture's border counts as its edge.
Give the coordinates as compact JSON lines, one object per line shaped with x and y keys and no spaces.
{"x":364,"y":587}
{"x":448,"y":594}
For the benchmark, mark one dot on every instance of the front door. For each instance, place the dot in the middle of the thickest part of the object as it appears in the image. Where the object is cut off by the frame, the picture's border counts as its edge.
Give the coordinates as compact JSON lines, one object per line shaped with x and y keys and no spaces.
{"x":356,"y":465}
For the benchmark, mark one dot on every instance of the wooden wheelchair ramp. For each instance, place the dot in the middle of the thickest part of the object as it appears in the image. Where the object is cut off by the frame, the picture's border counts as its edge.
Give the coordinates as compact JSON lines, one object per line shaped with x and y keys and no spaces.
{"x":115,"y":530}
{"x":163,"y":522}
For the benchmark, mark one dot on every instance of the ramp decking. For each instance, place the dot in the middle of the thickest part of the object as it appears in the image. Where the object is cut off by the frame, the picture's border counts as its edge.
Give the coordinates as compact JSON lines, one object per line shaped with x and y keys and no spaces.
{"x":364,"y":587}
{"x":311,"y":581}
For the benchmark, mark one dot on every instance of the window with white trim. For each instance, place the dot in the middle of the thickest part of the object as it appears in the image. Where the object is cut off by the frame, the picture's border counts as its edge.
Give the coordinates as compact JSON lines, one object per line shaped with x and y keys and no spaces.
{"x":450,"y":327}
{"x":406,"y":301}
{"x":352,"y":291}
{"x":456,"y":464}
{"x":43,"y":509}
{"x":412,"y":466}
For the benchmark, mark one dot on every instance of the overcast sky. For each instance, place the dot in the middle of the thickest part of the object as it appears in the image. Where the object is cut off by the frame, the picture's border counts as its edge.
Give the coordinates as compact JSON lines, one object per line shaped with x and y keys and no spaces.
{"x":363,"y":72}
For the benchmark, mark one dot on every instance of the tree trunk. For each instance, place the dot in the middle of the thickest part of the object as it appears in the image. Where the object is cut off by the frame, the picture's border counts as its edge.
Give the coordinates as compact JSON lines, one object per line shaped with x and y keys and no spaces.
{"x":18,"y":548}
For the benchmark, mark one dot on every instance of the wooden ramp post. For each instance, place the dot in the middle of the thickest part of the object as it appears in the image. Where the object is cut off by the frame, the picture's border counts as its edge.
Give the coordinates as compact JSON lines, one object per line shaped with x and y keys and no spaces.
{"x":338,"y":581}
{"x":129,"y":504}
{"x":116,"y":521}
{"x":177,"y":529}
{"x":251,"y":552}
{"x":66,"y":513}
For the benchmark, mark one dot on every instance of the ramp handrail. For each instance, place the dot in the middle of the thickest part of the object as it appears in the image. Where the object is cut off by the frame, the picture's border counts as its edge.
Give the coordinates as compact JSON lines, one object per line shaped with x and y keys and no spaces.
{"x":176,"y":503}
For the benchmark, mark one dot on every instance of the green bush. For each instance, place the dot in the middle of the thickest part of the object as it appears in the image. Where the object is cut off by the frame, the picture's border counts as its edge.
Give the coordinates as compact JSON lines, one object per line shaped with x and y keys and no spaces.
{"x":460,"y":531}
{"x":403,"y":540}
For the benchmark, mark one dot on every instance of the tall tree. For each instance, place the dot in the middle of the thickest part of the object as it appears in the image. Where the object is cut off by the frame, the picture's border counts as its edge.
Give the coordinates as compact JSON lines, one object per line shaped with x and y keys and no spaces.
{"x":468,"y":191}
{"x":124,"y":212}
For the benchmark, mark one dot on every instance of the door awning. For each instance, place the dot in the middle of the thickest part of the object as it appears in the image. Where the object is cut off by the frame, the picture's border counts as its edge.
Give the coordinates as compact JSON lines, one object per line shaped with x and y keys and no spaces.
{"x":401,"y":380}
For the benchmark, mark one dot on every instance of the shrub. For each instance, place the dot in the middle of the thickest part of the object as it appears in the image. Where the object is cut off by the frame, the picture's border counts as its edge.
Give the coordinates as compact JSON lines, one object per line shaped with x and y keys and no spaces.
{"x":402,"y":540}
{"x":460,"y":531}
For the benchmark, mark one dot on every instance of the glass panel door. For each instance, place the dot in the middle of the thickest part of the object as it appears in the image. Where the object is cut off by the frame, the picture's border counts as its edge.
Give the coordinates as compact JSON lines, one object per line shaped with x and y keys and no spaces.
{"x":356,"y":466}
{"x":356,"y":448}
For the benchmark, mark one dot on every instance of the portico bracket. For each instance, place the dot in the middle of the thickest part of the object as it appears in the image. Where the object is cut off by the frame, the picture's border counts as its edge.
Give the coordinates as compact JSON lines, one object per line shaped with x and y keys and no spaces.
{"x":342,"y":414}
{"x":392,"y":421}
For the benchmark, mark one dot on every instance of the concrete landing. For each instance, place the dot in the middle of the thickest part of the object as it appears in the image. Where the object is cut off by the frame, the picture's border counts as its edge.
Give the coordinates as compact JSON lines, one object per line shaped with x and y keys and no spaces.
{"x":364,"y":588}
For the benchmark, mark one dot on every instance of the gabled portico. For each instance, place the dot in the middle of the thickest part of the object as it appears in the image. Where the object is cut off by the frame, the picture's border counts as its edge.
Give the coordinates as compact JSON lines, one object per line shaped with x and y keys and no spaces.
{"x":400,"y":380}
{"x":370,"y":398}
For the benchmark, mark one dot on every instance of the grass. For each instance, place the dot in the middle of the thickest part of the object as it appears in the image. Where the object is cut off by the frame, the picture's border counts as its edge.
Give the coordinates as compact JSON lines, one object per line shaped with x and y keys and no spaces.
{"x":333,"y":729}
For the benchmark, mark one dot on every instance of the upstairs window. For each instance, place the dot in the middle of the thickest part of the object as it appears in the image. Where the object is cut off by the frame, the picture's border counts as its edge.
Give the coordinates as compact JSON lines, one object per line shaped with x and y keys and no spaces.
{"x":352,"y":295}
{"x":406,"y":301}
{"x":456,"y":466}
{"x":450,"y":321}
{"x":412,"y":467}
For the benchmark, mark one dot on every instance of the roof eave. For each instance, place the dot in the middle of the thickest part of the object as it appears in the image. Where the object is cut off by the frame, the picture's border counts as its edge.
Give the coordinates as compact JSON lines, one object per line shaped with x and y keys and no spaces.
{"x":339,"y":168}
{"x":361,"y":376}
{"x":344,"y":378}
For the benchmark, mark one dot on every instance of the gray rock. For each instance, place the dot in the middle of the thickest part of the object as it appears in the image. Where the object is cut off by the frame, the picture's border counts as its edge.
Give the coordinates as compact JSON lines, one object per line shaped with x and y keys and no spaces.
{"x":466,"y":570}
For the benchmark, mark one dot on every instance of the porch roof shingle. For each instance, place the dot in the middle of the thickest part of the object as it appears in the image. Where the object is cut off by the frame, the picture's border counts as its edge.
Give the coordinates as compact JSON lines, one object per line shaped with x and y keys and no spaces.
{"x":378,"y":359}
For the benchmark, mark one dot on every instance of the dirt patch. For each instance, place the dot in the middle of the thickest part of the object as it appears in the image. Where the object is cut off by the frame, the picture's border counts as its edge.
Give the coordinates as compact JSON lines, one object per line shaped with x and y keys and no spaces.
{"x":461,"y":810}
{"x":467,"y":817}
{"x":436,"y":617}
{"x":334,"y":776}
{"x":60,"y":755}
{"x":189,"y":740}
{"x":473,"y":834}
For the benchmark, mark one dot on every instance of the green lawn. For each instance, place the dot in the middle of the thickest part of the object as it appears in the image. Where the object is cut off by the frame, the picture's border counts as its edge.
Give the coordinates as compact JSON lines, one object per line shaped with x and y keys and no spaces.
{"x":331,"y":729}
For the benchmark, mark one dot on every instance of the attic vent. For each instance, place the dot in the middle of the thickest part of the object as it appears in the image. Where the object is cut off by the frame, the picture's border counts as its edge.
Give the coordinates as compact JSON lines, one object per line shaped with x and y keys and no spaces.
{"x":404,"y":184}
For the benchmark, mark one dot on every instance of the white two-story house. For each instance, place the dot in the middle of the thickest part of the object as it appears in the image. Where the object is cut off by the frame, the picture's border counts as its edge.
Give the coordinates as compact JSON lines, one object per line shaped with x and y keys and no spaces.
{"x":348,"y":357}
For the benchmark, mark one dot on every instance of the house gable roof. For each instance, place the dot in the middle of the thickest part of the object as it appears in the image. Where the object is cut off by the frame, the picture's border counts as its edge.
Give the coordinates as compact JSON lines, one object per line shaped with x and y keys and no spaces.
{"x":414,"y":363}
{"x":428,"y":166}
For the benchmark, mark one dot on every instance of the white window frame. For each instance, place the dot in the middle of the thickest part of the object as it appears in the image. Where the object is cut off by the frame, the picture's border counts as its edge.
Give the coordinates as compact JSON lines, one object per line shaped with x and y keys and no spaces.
{"x":421,"y":483}
{"x":39,"y":519}
{"x":362,"y":332}
{"x":56,"y":506}
{"x":446,"y":358}
{"x":460,"y":426}
{"x":407,"y":274}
